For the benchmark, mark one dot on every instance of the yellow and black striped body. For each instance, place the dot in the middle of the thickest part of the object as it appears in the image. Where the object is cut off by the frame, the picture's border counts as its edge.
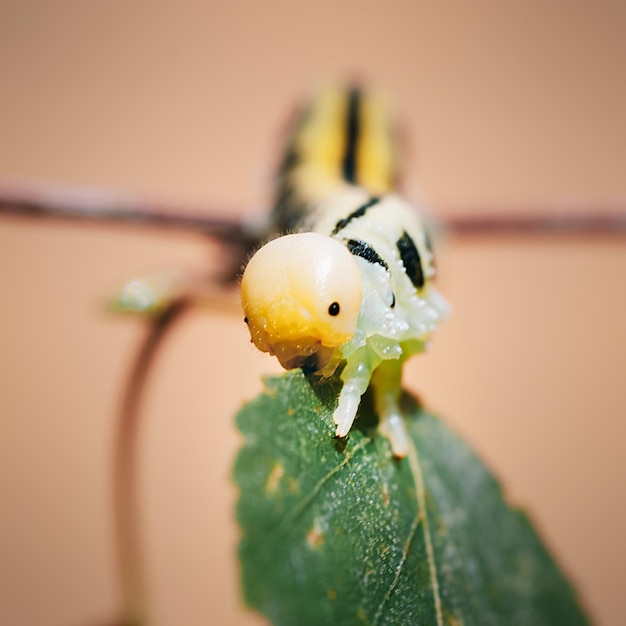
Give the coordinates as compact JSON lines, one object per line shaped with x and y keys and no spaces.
{"x":352,"y":279}
{"x":344,"y":137}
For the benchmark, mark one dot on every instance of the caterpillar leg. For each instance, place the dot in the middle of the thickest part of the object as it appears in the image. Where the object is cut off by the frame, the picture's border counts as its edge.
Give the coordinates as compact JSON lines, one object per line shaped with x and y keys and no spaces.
{"x":386,"y":383}
{"x":356,"y":377}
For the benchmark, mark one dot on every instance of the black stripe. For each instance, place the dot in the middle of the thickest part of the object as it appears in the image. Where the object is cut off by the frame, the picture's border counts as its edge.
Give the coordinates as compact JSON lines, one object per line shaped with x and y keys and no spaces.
{"x":343,"y":222}
{"x":289,"y":208}
{"x":290,"y":160}
{"x":411,"y":259}
{"x":429,"y":247}
{"x":365,"y":251}
{"x":292,"y":156}
{"x":353,"y":124}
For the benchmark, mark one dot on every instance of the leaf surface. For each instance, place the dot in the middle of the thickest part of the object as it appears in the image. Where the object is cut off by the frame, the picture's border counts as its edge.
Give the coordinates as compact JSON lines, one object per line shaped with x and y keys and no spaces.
{"x":341,"y":533}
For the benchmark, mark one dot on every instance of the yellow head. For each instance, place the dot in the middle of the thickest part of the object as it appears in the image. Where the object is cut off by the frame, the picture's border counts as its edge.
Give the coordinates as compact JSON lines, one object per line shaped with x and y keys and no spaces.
{"x":301,"y":296}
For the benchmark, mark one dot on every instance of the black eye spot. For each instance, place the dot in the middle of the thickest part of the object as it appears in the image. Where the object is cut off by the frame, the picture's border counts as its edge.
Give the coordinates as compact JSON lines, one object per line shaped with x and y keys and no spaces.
{"x":245,"y":319}
{"x":333,"y":309}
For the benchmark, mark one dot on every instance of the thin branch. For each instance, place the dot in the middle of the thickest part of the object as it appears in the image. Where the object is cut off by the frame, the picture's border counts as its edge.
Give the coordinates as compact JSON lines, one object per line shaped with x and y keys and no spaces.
{"x":125,"y":483}
{"x":85,"y":205}
{"x":591,"y":221}
{"x":91,"y":205}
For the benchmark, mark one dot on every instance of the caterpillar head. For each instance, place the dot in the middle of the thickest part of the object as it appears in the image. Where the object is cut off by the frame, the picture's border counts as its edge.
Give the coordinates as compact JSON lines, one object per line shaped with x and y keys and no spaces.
{"x":301,"y":296}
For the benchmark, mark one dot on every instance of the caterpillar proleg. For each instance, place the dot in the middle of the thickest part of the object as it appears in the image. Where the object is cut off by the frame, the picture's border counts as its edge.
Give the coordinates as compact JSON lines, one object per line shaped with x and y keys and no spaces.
{"x":350,"y":279}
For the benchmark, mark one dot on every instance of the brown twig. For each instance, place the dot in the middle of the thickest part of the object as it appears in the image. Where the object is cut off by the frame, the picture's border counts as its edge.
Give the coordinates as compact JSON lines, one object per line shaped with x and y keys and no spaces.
{"x":90,"y":205}
{"x":591,"y":221}
{"x":85,"y":205}
{"x":126,"y":503}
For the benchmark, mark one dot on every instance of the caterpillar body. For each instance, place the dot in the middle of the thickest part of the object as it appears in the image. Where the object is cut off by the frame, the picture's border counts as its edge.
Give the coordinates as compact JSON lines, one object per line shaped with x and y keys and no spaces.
{"x":351,"y":281}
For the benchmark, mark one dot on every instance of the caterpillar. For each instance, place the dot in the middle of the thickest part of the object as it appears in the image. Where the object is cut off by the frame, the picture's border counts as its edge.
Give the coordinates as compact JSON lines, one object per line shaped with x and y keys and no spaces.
{"x":350,"y":278}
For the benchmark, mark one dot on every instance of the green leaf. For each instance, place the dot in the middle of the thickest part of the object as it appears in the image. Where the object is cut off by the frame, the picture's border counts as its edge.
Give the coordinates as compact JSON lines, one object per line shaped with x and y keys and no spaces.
{"x":341,"y":533}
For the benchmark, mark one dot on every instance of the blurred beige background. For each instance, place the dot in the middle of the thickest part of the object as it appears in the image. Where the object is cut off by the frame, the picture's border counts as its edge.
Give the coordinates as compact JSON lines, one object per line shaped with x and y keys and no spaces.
{"x":518,"y":103}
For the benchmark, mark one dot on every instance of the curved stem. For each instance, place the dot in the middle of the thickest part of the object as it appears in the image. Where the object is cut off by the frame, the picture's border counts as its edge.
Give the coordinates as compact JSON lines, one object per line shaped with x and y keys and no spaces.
{"x":126,"y":503}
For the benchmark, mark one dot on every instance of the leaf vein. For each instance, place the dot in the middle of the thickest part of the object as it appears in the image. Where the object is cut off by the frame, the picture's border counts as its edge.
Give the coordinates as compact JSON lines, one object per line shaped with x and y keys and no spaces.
{"x":300,"y":506}
{"x":405,"y":554}
{"x":416,"y":470}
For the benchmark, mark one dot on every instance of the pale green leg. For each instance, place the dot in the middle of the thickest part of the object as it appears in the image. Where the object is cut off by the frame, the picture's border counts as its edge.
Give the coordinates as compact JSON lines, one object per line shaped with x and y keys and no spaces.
{"x":356,"y":377}
{"x":387,"y":387}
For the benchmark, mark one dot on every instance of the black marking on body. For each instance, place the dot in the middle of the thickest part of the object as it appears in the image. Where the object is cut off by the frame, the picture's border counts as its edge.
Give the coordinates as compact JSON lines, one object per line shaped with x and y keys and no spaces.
{"x":365,"y":251}
{"x":411,"y":259}
{"x":289,"y":209}
{"x":292,"y":157}
{"x":353,"y":123}
{"x":429,"y":247}
{"x":360,"y":212}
